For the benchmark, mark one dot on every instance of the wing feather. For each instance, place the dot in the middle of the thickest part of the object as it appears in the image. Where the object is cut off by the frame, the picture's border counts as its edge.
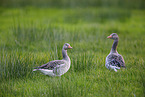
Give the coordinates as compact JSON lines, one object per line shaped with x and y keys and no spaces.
{"x":116,"y":60}
{"x":51,"y":64}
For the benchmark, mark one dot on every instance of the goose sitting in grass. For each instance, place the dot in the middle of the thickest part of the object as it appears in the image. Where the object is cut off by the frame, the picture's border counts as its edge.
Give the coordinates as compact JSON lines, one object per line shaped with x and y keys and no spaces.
{"x":57,"y":67}
{"x":114,"y":60}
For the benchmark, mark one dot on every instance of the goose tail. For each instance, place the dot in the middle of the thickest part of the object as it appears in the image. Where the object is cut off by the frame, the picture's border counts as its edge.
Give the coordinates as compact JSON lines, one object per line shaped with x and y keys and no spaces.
{"x":35,"y":69}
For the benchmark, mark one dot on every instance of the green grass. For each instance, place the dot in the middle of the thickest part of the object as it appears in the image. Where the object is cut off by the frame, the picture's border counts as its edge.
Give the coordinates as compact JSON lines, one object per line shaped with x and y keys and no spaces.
{"x":30,"y":37}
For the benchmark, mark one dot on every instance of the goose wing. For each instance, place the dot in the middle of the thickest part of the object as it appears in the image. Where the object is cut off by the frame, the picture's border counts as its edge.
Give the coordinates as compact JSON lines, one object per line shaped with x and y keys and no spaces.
{"x":121,"y":60}
{"x":116,"y":60}
{"x":52,"y":64}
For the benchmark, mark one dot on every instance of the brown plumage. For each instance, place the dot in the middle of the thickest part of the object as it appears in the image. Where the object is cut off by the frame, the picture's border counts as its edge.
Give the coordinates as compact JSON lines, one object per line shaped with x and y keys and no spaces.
{"x":57,"y":67}
{"x":114,"y":60}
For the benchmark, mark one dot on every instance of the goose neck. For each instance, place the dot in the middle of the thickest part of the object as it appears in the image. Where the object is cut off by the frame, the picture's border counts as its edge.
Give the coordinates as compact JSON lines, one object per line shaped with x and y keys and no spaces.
{"x":114,"y":46}
{"x":64,"y":54}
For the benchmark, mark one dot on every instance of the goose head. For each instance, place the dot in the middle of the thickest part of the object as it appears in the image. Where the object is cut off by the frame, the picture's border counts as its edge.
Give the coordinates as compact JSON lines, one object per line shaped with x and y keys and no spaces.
{"x":113,"y":36}
{"x":66,"y":46}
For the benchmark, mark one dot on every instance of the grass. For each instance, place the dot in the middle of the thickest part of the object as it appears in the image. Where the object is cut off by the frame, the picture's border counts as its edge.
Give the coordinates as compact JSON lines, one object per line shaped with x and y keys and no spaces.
{"x":31,"y":36}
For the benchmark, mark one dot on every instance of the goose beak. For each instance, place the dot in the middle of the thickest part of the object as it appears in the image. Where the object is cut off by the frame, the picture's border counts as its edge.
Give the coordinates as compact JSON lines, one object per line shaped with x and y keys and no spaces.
{"x":109,"y":36}
{"x":69,"y":47}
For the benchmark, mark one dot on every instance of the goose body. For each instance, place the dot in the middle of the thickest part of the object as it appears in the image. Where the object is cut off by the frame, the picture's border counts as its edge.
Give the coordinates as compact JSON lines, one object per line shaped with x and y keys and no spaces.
{"x":57,"y":67}
{"x":114,"y":60}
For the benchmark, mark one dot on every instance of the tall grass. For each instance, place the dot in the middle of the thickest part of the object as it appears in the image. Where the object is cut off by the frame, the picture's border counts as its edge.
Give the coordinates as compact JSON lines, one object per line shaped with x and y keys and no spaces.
{"x":131,"y":4}
{"x":30,"y":37}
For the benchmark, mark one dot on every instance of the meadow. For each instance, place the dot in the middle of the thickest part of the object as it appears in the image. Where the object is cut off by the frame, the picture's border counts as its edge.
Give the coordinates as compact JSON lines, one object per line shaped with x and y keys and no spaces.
{"x":31,"y":36}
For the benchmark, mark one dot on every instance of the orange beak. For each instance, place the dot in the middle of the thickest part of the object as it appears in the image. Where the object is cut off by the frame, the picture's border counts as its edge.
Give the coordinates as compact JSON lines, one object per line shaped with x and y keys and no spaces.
{"x":109,"y":36}
{"x":69,"y":47}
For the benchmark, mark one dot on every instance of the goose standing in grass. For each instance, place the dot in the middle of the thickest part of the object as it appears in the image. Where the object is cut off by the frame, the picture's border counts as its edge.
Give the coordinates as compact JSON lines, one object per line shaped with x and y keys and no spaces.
{"x":57,"y":67}
{"x":114,"y":60}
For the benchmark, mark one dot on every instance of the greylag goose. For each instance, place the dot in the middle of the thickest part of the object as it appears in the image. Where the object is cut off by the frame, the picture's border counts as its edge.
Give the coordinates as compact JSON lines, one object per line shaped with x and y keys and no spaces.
{"x":114,"y":60}
{"x":57,"y":67}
